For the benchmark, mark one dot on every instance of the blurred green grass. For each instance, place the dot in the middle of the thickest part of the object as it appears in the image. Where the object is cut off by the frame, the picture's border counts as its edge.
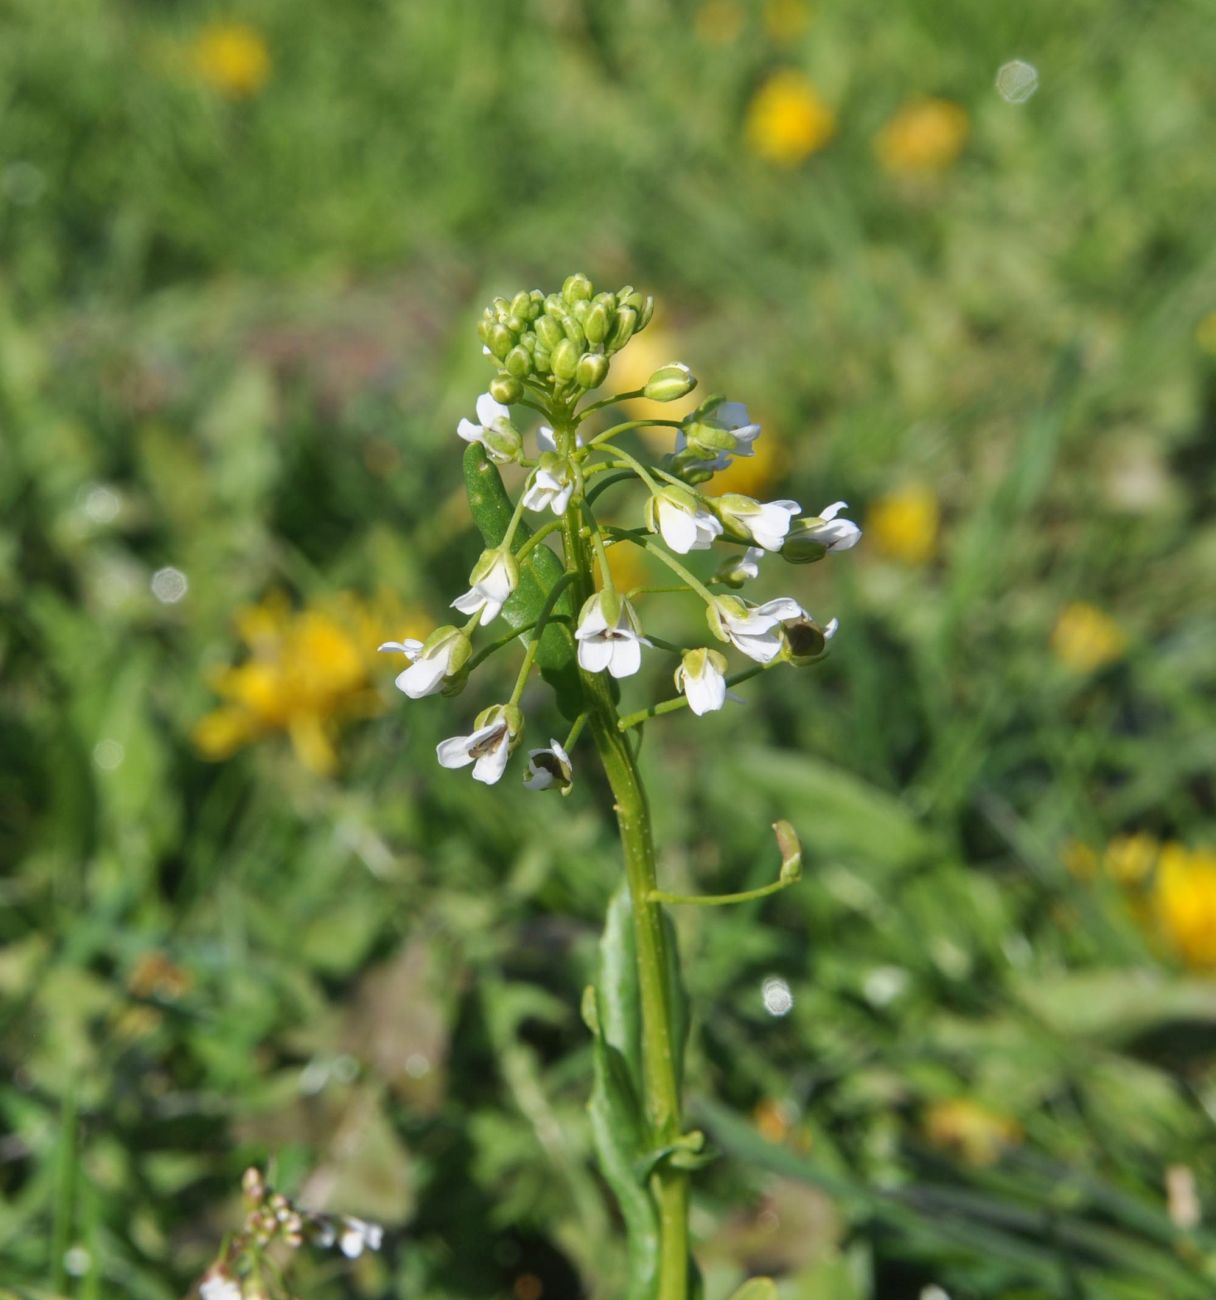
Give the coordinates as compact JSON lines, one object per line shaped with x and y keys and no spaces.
{"x":235,"y":338}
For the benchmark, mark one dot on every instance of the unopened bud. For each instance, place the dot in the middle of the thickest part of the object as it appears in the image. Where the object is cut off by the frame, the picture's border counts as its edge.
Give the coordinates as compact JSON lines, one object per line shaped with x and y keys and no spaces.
{"x":597,"y":322}
{"x":501,"y":341}
{"x":506,"y":388}
{"x":670,"y":383}
{"x":542,"y":361}
{"x":549,"y":332}
{"x":574,"y":332}
{"x":518,"y":362}
{"x":521,"y":305}
{"x":503,"y":442}
{"x":592,"y":370}
{"x":576,"y":288}
{"x":645,"y":314}
{"x":801,"y":546}
{"x":622,"y":330}
{"x":564,"y":360}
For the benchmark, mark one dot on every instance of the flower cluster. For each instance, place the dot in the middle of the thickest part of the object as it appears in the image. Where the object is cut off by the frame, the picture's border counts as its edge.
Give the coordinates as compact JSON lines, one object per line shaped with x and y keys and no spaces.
{"x":242,"y":1271}
{"x":553,"y":348}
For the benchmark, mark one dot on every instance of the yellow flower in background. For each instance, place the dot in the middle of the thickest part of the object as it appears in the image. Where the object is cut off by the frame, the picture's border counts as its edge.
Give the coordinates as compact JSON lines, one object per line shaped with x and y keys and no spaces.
{"x":633,"y":366}
{"x":1184,"y":898}
{"x":719,"y":22}
{"x":787,"y":120}
{"x":629,"y":567}
{"x":974,"y":1132}
{"x":306,"y":671}
{"x":925,"y":136}
{"x":786,"y":20}
{"x":1085,"y":638}
{"x":1129,"y":859}
{"x":232,"y":58}
{"x":903,"y":524}
{"x":752,"y":475}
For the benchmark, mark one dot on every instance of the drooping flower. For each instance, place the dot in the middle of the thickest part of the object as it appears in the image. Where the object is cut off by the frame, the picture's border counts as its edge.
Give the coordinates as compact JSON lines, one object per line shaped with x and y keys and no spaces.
{"x":923,"y":137}
{"x":903,"y":524}
{"x":495,"y":576}
{"x":813,"y":538}
{"x":737,"y":570}
{"x":495,"y":432}
{"x":681,"y":519}
{"x":440,"y":656}
{"x":701,"y":676}
{"x":766,"y":523}
{"x":232,"y":58}
{"x":306,"y":671}
{"x":548,"y":768}
{"x":609,"y":636}
{"x":806,"y":641}
{"x":787,"y":120}
{"x":1086,"y":638}
{"x":756,"y":630}
{"x":551,"y":484}
{"x":715,"y":432}
{"x":496,"y":732}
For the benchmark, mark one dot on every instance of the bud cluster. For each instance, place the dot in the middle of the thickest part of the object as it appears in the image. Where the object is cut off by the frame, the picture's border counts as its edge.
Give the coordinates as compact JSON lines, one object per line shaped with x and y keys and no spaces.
{"x":559,"y":341}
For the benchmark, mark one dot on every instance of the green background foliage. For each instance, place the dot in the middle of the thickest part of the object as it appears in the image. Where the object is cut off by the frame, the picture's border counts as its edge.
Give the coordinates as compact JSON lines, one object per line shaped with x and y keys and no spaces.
{"x":236,"y":334}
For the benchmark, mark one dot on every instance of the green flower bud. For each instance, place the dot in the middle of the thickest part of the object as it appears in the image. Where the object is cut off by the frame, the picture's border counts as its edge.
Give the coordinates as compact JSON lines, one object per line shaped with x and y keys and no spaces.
{"x":622,"y":329}
{"x":565,"y":360}
{"x":621,"y":294}
{"x":592,"y":370}
{"x":484,"y":326}
{"x":521,"y":305}
{"x":554,"y":306}
{"x":503,"y":443}
{"x":506,"y":388}
{"x":574,"y":332}
{"x":502,"y":309}
{"x":518,"y":362}
{"x":707,"y":441}
{"x":597,"y":322}
{"x":646,"y":313}
{"x":580,"y":309}
{"x":576,"y":288}
{"x":632,"y":299}
{"x":669,"y":383}
{"x":542,"y":361}
{"x":549,"y":332}
{"x":509,"y":713}
{"x":501,"y":341}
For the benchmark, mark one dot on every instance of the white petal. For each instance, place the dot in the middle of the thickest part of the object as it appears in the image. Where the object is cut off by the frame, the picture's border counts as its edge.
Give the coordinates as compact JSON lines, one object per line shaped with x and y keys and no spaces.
{"x":842,"y":535}
{"x":678,"y":527}
{"x":410,"y":648}
{"x":538,"y":778}
{"x":490,"y":612}
{"x":498,"y":583}
{"x":537,"y":497}
{"x":454,"y":752}
{"x":490,"y":766}
{"x":593,"y":623}
{"x":488,"y":410}
{"x":832,"y":628}
{"x":562,"y":500}
{"x":705,"y":693}
{"x":626,"y":657}
{"x":594,"y":654}
{"x":423,"y":678}
{"x":545,"y":439}
{"x":731,"y":415}
{"x":470,"y":602}
{"x":830,"y":512}
{"x":763,"y":648}
{"x":782,"y":607}
{"x":470,"y":432}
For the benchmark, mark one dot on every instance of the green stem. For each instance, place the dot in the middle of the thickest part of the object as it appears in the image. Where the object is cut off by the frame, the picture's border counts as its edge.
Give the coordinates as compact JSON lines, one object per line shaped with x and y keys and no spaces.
{"x":541,"y":533}
{"x":661,"y":1089}
{"x":676,"y":567}
{"x":610,"y":401}
{"x":616,"y":429}
{"x":720,"y":900}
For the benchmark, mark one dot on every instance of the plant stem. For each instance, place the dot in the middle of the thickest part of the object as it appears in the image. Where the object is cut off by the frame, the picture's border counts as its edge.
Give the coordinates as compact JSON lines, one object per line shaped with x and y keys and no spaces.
{"x":661,"y":1087}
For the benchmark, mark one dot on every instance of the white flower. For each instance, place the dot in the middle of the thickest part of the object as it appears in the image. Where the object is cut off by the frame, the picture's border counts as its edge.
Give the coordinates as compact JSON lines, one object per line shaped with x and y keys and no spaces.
{"x":765,"y":523}
{"x":609,"y":638}
{"x":716,"y":432}
{"x":701,"y":676}
{"x":358,"y":1235}
{"x":219,"y":1285}
{"x":684,"y":524}
{"x":495,"y":576}
{"x":825,"y":531}
{"x":495,"y":733}
{"x":440,"y":656}
{"x":546,"y":441}
{"x":756,"y":630}
{"x":495,"y":432}
{"x":737,"y":570}
{"x":548,"y":768}
{"x":551,"y":484}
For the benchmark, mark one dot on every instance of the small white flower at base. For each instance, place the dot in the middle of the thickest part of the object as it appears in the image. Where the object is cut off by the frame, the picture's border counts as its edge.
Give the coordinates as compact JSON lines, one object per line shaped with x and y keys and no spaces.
{"x":548,"y":768}
{"x":551,"y":484}
{"x":609,"y":638}
{"x":737,"y":571}
{"x":716,"y":432}
{"x":756,"y":630}
{"x":766,"y":523}
{"x":495,"y":432}
{"x":495,"y":734}
{"x":432,"y":661}
{"x":495,"y":576}
{"x":702,"y":677}
{"x":678,"y":516}
{"x":357,"y":1235}
{"x":219,"y":1285}
{"x":811,"y":539}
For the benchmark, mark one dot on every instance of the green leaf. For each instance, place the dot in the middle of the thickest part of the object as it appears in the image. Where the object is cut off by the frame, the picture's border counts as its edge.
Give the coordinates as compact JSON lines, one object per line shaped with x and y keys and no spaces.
{"x":492,"y":509}
{"x":617,"y":985}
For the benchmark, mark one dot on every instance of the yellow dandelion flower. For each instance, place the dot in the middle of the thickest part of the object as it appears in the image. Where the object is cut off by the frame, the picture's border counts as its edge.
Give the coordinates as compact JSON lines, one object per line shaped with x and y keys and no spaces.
{"x":787,"y":120}
{"x":903,"y":524}
{"x":232,"y":58}
{"x":786,"y":20}
{"x":1185,"y":904}
{"x":925,"y":136}
{"x":1085,"y":638}
{"x":306,"y":671}
{"x":971,"y":1130}
{"x":719,"y":22}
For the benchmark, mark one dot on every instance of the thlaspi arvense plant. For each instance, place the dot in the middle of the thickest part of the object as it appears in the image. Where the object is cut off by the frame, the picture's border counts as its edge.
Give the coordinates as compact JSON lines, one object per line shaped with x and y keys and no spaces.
{"x":546,"y":578}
